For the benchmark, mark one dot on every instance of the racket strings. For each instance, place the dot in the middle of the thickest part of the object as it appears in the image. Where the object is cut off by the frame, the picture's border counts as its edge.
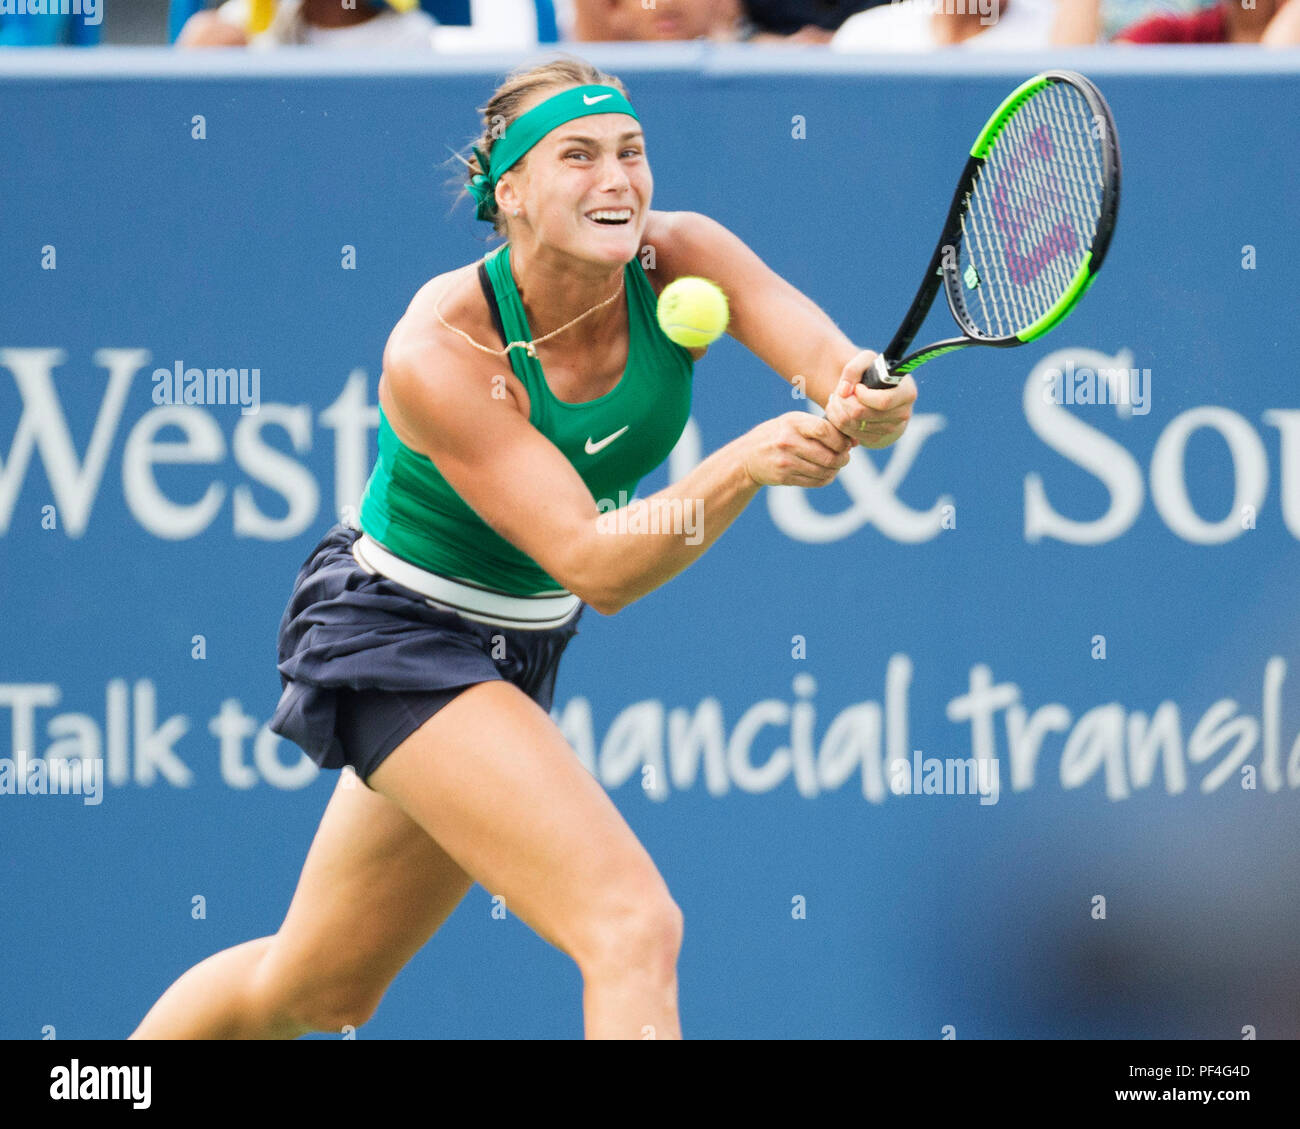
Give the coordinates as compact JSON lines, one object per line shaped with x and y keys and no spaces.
{"x":991,"y":266}
{"x":1056,"y":184}
{"x":1085,"y":181}
{"x":993,"y":262}
{"x":991,"y":298}
{"x":1091,"y":175}
{"x":1048,"y":202}
{"x":971,"y":232}
{"x":1044,"y":206}
{"x":1032,"y":212}
{"x":1019,"y":200}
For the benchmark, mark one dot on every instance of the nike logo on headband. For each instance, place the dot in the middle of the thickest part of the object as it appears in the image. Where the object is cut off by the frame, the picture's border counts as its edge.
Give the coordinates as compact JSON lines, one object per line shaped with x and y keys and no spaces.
{"x":590,"y":101}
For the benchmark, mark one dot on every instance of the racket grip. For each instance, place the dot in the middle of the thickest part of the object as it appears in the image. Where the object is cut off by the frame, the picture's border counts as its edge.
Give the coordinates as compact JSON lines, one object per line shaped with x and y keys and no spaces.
{"x":879,"y":376}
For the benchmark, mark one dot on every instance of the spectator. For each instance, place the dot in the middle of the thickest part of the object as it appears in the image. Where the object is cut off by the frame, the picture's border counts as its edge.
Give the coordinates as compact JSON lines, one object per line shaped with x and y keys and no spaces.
{"x":755,"y":21}
{"x":798,"y":21}
{"x":1284,"y":28}
{"x":1225,"y":22}
{"x":1085,"y":22}
{"x":596,"y":21}
{"x":501,"y":25}
{"x":922,"y":25}
{"x":313,"y":23}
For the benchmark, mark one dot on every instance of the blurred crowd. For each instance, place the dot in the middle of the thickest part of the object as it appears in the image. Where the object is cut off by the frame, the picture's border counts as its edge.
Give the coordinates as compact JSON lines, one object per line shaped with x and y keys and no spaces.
{"x":458,"y":26}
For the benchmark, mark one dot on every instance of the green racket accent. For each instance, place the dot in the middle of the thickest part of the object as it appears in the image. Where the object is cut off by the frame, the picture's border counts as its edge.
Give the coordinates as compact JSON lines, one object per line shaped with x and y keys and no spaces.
{"x":1004,"y":111}
{"x":1078,"y":286}
{"x":928,"y":355}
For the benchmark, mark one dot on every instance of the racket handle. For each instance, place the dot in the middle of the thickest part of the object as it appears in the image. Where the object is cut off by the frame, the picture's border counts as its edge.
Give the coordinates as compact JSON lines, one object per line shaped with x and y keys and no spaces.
{"x":879,"y":376}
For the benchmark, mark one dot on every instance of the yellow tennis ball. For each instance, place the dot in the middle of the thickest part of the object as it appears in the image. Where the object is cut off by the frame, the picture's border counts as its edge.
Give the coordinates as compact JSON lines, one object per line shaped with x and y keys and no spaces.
{"x":693,"y":312}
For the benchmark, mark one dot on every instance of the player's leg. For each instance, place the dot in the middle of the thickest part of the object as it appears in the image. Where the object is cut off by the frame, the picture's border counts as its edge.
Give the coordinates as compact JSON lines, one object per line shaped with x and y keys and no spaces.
{"x":373,"y":890}
{"x":491,"y":778}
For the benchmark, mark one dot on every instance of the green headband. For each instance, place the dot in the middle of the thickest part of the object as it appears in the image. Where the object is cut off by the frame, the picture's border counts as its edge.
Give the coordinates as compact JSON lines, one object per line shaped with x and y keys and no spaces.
{"x":527,"y":130}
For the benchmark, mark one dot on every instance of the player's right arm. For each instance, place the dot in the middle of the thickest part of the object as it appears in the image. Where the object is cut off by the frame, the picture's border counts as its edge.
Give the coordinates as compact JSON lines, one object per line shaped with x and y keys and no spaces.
{"x":437,"y":393}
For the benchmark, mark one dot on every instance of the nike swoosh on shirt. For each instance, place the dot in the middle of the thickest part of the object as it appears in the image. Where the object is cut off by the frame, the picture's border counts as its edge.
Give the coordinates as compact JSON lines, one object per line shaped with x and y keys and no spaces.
{"x":590,"y":101}
{"x":591,"y":448}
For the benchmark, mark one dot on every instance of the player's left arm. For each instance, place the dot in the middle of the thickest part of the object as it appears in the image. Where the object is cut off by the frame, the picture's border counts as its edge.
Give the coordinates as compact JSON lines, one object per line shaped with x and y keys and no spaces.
{"x":787,"y":330}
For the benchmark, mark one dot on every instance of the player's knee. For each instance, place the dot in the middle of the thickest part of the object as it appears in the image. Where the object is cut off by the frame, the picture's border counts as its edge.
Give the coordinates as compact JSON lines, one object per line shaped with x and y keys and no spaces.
{"x":295,"y":998}
{"x":637,"y":929}
{"x":332,"y":1007}
{"x":342,"y":1011}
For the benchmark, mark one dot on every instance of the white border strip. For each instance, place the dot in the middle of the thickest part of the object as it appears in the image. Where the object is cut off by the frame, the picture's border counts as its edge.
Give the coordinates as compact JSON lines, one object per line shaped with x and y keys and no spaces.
{"x":128,"y":63}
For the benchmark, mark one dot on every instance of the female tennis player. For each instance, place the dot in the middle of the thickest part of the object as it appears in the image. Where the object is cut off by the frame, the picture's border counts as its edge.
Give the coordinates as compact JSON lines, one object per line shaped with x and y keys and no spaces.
{"x":420,"y":649}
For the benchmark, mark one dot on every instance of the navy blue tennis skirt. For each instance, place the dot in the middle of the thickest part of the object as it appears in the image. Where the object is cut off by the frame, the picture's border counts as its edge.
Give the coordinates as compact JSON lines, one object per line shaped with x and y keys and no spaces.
{"x":365,"y":661}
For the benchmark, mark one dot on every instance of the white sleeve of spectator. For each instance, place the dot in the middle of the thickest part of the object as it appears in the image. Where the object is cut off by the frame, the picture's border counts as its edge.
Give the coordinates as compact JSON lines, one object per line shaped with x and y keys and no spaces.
{"x":565,"y":19}
{"x":888,"y":27}
{"x":1024,"y":25}
{"x":235,"y":13}
{"x":495,"y":25}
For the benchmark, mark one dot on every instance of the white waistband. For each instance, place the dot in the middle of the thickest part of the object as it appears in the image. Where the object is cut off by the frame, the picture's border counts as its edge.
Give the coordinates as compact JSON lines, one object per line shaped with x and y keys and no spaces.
{"x":531,"y":613}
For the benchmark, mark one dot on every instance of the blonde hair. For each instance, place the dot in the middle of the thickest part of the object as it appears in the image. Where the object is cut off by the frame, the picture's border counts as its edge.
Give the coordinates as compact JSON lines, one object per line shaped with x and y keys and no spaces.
{"x":503,"y":107}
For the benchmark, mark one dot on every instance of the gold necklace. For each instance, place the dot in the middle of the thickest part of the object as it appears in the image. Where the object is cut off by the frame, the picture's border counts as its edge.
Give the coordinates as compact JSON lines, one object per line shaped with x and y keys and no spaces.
{"x":529,"y":346}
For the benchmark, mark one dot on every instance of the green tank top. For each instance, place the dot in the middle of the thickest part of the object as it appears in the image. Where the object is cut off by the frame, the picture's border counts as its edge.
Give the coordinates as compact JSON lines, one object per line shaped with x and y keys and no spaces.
{"x":612,"y":442}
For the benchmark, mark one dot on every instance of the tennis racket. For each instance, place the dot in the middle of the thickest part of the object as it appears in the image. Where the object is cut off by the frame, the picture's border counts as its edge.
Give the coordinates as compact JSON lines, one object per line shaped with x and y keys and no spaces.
{"x":1029,"y":224}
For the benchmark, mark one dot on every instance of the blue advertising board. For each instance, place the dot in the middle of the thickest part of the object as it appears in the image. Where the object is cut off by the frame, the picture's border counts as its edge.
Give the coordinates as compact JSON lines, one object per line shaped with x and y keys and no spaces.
{"x":996,"y":736}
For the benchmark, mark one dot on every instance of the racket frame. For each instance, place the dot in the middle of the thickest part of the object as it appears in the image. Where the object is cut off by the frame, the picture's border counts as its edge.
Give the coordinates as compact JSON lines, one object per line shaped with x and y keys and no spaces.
{"x":895,"y":362}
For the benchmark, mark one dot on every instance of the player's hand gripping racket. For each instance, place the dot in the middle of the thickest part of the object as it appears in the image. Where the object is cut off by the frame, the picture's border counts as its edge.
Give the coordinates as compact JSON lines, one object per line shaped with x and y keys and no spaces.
{"x":1028,"y":227}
